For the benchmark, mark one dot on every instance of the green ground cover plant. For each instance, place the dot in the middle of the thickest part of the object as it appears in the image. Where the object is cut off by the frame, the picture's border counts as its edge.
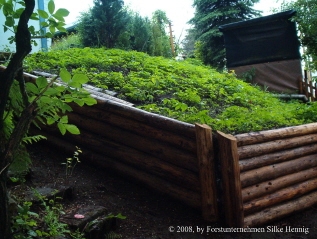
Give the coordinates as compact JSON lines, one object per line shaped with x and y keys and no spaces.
{"x":181,"y":90}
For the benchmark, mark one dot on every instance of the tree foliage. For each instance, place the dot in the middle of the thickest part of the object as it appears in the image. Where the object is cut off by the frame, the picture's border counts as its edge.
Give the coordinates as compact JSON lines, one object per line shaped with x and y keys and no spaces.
{"x":104,"y":23}
{"x":109,"y":24}
{"x":161,"y":42}
{"x":189,"y":43}
{"x":306,"y":20}
{"x":209,"y":15}
{"x":21,"y":103}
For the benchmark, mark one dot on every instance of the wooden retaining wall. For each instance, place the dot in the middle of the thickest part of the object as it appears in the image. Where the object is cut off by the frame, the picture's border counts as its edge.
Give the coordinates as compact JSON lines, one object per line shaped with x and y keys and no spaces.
{"x":268,"y":175}
{"x":173,"y":157}
{"x":265,"y":175}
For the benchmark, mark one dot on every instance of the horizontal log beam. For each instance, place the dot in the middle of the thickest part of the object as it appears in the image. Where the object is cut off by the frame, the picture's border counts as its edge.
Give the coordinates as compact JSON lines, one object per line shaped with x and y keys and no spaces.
{"x":188,"y":197}
{"x":276,"y":212}
{"x":282,"y":195}
{"x":274,"y":146}
{"x":270,"y":186}
{"x":154,"y":120}
{"x":270,"y":135}
{"x":278,"y":157}
{"x":149,"y":146}
{"x":146,"y":162}
{"x":130,"y":127}
{"x":271,"y":172}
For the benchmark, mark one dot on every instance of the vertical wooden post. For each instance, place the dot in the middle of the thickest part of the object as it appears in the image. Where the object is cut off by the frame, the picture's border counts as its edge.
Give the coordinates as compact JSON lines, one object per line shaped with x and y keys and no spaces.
{"x":230,"y":170}
{"x":171,"y":39}
{"x":206,"y":167}
{"x":311,"y":91}
{"x":314,"y":93}
{"x":306,"y":84}
{"x":300,"y":85}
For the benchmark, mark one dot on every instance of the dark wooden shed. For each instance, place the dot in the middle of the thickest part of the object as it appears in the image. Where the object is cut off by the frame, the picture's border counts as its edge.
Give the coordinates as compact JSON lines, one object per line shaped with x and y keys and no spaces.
{"x":270,"y":46}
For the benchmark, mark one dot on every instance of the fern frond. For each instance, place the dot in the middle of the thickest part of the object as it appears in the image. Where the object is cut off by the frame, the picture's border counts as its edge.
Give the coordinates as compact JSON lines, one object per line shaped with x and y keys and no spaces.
{"x":33,"y":139}
{"x":8,"y":124}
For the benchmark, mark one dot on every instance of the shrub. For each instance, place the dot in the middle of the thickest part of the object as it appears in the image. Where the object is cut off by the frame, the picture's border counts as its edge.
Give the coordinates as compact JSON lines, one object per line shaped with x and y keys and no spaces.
{"x":181,"y":90}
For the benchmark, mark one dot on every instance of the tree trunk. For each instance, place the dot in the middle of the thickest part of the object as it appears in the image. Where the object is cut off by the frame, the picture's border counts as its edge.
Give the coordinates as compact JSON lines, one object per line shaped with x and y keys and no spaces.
{"x":23,"y":48}
{"x":4,"y":206}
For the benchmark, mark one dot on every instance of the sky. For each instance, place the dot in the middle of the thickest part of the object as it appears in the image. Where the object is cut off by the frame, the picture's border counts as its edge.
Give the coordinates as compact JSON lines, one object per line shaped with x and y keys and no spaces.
{"x":178,"y":11}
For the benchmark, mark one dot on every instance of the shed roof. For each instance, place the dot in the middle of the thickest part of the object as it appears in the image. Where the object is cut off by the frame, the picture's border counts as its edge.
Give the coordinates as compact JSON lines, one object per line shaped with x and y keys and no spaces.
{"x":260,"y":20}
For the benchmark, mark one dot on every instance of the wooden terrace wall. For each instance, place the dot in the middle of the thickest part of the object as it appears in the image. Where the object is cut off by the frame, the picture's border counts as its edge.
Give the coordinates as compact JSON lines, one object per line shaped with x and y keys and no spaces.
{"x":265,"y":175}
{"x":268,"y":175}
{"x":173,"y":157}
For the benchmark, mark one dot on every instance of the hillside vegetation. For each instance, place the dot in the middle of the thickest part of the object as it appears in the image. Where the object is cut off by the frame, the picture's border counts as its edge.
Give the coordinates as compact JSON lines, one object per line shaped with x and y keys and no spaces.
{"x":185,"y":90}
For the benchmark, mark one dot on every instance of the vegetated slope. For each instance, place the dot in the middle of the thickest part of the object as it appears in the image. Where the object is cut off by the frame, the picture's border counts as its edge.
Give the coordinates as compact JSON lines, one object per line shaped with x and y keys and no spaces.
{"x":181,"y":90}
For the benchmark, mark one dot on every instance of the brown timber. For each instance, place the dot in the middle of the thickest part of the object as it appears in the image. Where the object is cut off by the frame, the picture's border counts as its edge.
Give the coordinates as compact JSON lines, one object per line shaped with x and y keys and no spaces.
{"x":280,"y":196}
{"x":276,"y":212}
{"x":270,"y":186}
{"x":270,"y":172}
{"x":206,"y":166}
{"x":276,"y":145}
{"x":230,"y":171}
{"x":270,"y":135}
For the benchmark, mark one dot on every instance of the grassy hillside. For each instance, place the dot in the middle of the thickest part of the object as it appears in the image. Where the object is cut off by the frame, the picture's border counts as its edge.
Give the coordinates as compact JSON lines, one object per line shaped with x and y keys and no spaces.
{"x":182,"y":90}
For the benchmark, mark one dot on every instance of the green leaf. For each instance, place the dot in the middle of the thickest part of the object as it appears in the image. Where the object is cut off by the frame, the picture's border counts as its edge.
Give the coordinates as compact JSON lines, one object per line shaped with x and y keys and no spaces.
{"x":50,"y":120}
{"x":51,"y":92}
{"x":80,"y":78}
{"x":32,"y":88}
{"x":65,"y":75}
{"x":79,"y":102}
{"x":74,"y":84}
{"x":34,"y":16}
{"x":44,"y":24}
{"x":41,"y":82}
{"x":39,"y":233}
{"x":90,"y":101}
{"x":22,"y":3}
{"x":61,"y":29}
{"x":30,"y":232}
{"x":48,"y":35}
{"x":9,"y":22}
{"x":120,"y":216}
{"x":52,"y":29}
{"x":64,"y":119}
{"x":32,"y":98}
{"x":46,"y":100}
{"x":32,"y":29}
{"x":20,"y":221}
{"x":61,"y":128}
{"x":18,"y":13}
{"x":43,"y":14}
{"x":66,"y":107}
{"x":7,"y":9}
{"x":51,"y":7}
{"x":72,"y":129}
{"x":62,"y":12}
{"x":60,"y":88}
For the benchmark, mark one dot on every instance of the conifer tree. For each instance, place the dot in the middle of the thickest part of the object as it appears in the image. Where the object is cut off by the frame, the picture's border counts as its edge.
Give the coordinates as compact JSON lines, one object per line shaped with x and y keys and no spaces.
{"x":104,"y":23}
{"x":209,"y":15}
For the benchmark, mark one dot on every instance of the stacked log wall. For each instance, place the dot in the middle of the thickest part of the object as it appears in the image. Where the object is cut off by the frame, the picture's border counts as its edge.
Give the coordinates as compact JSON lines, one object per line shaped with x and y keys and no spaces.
{"x":265,"y":175}
{"x":276,"y":174}
{"x":173,"y":157}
